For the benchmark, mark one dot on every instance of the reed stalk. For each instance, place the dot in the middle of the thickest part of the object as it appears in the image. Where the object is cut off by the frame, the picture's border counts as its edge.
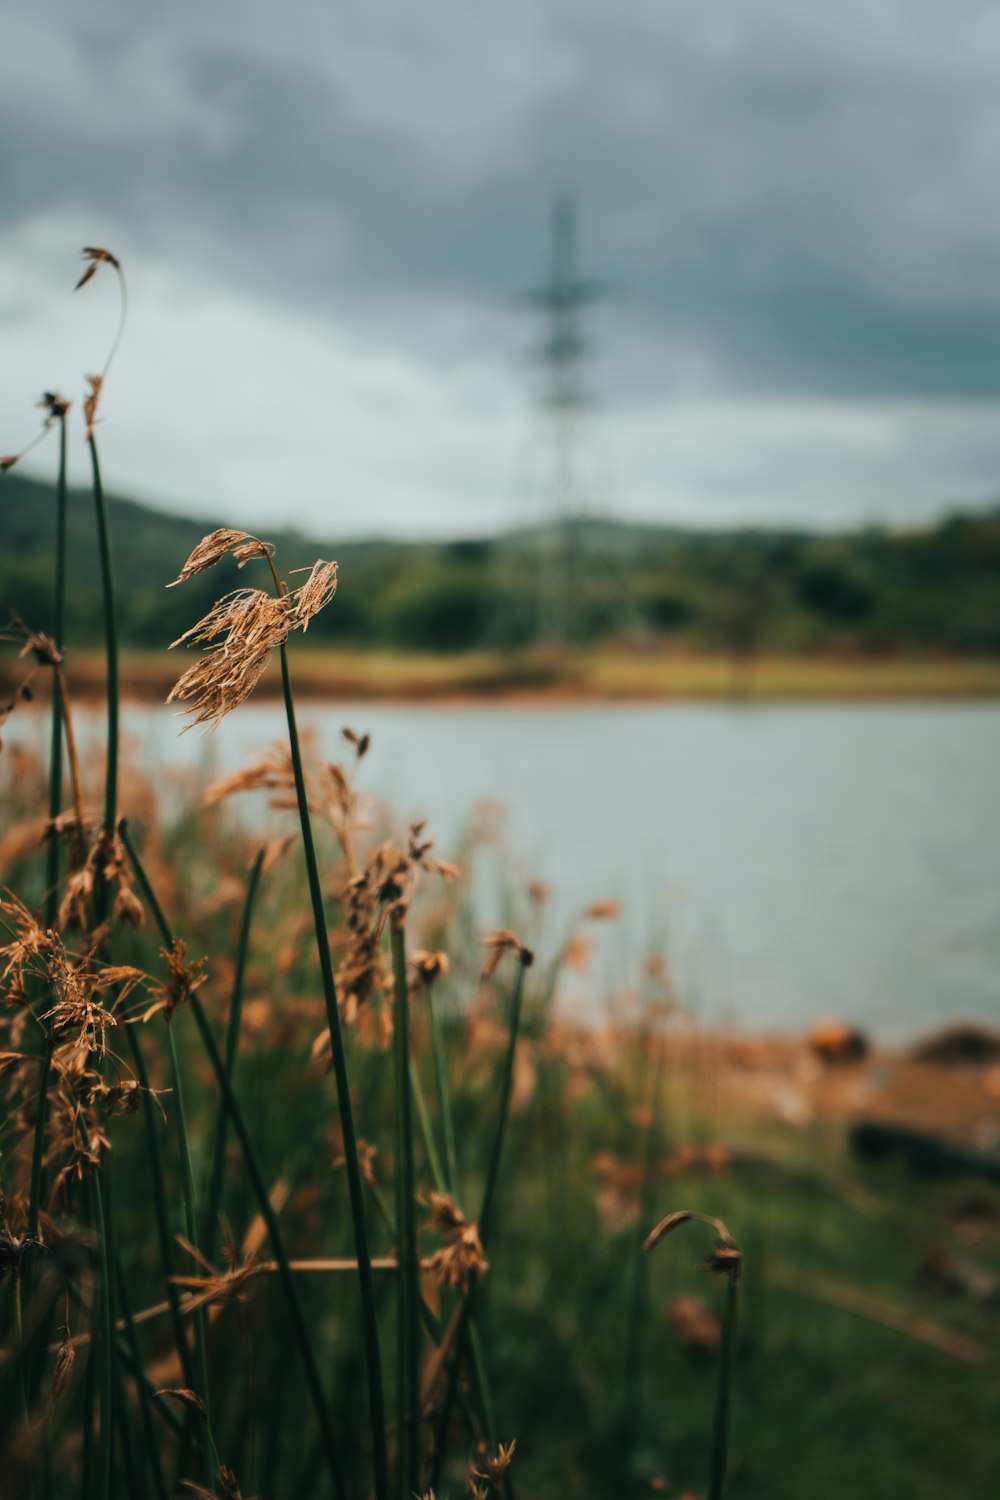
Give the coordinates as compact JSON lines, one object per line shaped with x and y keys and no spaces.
{"x":723,"y":1390}
{"x":110,"y":643}
{"x":160,"y":1212}
{"x":191,"y":1231}
{"x":145,"y":1410}
{"x":105,"y":1347}
{"x":373,"y":1358}
{"x":466,"y":1307}
{"x":441,"y":1084}
{"x":58,"y":635}
{"x":55,"y":807}
{"x":726,"y":1260}
{"x":408,"y":1301}
{"x":232,"y":1048}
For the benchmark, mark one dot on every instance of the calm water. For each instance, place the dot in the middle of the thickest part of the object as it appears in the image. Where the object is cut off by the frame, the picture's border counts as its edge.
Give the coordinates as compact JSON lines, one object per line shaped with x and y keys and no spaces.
{"x":798,"y":861}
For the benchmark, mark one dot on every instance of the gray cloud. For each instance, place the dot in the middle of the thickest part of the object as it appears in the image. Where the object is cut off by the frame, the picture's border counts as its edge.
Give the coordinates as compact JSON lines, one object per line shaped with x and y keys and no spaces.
{"x":795,"y":201}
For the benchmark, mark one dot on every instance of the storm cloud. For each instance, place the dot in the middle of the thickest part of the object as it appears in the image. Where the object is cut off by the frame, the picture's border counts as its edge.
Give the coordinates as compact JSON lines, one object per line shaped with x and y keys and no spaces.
{"x":327,"y":214}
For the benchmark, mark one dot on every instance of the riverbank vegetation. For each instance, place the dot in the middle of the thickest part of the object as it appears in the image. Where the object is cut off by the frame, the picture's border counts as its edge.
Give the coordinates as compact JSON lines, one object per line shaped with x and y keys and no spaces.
{"x":873,"y":595}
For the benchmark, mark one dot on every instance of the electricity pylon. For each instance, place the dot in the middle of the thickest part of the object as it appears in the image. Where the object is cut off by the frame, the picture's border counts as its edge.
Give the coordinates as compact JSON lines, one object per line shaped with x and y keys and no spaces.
{"x":564,"y":399}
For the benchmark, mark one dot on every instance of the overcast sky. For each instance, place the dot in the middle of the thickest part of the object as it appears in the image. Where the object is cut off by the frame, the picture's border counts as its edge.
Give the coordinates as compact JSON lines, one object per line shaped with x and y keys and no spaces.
{"x":326,"y":214}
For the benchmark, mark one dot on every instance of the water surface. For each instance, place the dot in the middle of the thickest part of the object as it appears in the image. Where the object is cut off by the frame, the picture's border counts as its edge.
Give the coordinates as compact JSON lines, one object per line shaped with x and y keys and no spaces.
{"x":799,"y":861}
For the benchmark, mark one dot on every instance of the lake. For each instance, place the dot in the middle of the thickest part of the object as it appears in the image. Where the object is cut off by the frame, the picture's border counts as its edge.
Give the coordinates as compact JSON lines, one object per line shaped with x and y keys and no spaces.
{"x":796,"y":861}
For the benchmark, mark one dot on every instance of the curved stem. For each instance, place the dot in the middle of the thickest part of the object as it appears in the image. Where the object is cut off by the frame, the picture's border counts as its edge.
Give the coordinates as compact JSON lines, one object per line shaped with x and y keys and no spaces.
{"x":110,"y":641}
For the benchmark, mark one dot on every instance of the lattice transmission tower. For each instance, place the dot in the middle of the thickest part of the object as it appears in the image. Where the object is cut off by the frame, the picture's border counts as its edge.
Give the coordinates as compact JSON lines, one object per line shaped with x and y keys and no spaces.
{"x":559,"y":585}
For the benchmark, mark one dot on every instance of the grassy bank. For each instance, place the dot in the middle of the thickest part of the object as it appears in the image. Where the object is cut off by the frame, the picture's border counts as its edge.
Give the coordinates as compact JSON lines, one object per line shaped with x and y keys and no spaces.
{"x":549,"y":676}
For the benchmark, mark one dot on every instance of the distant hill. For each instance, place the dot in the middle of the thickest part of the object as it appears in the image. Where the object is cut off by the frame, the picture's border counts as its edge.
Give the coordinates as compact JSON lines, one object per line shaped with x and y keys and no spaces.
{"x":935,"y":588}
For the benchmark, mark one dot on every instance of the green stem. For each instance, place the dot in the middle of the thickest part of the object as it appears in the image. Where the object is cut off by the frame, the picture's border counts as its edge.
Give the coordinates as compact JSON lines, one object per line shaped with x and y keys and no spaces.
{"x":102,"y":1489}
{"x":408,"y":1346}
{"x":485,"y":1220}
{"x":58,"y":633}
{"x":506,"y":1086}
{"x":723,"y":1391}
{"x":232,"y":1048}
{"x":158,"y":1183}
{"x":191,"y":1230}
{"x":630,"y":1412}
{"x":55,"y":807}
{"x":142,"y":1390}
{"x":300,"y":1328}
{"x":426,"y":1135}
{"x":373,"y":1358}
{"x":110,"y":642}
{"x":441,"y":1082}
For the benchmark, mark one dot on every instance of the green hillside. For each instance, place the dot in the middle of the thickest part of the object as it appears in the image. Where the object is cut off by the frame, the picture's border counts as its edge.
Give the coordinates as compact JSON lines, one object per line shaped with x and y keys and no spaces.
{"x":934,"y":589}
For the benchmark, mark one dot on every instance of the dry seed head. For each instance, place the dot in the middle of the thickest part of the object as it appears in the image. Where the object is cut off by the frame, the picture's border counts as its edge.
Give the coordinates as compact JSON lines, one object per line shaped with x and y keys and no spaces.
{"x":187,"y":1398}
{"x":214,"y":547}
{"x":271,"y":770}
{"x":62,"y":1371}
{"x":251,"y":624}
{"x":497,"y":1464}
{"x":361,"y":742}
{"x":317,"y":591}
{"x":241,"y":631}
{"x":55,"y":405}
{"x":183,"y":978}
{"x":96,"y":257}
{"x":504,"y":941}
{"x":462,"y":1261}
{"x":725,"y":1259}
{"x":602,"y":911}
{"x":429,"y":966}
{"x":90,"y":401}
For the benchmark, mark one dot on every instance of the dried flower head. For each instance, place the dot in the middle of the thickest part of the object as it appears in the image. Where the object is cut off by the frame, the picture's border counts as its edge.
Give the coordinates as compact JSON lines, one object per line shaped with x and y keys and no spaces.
{"x":361,"y":742}
{"x":96,"y":257}
{"x":500,"y":942}
{"x":62,"y":1372}
{"x":90,"y":401}
{"x":242,"y":629}
{"x":54,"y":405}
{"x":218,"y":544}
{"x":429,"y":966}
{"x":462,"y":1261}
{"x":229,"y":1287}
{"x":183,"y":978}
{"x":317,"y":591}
{"x":496,"y":1465}
{"x":726,"y":1258}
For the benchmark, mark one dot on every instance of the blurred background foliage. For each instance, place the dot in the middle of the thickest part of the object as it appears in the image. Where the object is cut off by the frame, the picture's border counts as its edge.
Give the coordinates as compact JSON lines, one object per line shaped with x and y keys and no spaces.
{"x":871,"y":591}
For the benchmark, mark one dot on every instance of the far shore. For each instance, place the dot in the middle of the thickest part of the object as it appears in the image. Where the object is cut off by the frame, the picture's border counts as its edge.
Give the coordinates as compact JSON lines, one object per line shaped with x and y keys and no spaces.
{"x":561,"y":677}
